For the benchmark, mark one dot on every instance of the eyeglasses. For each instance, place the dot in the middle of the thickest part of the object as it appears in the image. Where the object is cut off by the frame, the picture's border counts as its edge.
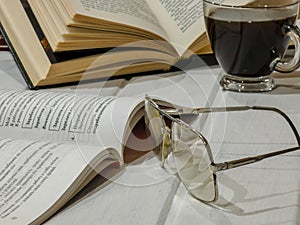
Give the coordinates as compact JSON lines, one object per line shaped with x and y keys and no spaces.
{"x":186,"y":152}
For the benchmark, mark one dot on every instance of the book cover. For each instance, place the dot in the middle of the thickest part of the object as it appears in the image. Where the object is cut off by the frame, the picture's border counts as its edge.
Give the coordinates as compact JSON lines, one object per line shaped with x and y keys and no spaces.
{"x":3,"y":45}
{"x":16,"y":58}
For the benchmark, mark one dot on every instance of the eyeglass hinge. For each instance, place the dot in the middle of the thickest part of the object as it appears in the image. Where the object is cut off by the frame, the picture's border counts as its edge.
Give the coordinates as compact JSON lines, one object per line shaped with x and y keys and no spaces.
{"x":237,"y":163}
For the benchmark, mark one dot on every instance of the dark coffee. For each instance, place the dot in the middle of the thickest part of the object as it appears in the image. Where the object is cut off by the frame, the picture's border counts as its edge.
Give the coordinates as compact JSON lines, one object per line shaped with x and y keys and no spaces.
{"x":248,"y":47}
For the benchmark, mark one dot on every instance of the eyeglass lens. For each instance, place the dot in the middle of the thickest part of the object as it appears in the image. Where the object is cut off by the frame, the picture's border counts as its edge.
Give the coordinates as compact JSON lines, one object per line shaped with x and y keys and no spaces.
{"x":193,"y":163}
{"x":188,"y":156}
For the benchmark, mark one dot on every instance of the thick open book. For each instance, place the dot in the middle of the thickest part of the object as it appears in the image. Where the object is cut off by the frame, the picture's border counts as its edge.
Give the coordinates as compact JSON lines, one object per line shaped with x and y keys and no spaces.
{"x":53,"y":144}
{"x":56,"y":41}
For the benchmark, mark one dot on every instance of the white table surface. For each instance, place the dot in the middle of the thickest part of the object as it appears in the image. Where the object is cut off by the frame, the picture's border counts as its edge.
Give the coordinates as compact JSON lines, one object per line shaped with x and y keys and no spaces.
{"x":263,"y":193}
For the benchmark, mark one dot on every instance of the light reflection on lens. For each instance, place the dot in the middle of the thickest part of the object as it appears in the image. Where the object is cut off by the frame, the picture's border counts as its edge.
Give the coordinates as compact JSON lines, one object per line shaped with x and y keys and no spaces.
{"x":193,"y":163}
{"x":154,"y":123}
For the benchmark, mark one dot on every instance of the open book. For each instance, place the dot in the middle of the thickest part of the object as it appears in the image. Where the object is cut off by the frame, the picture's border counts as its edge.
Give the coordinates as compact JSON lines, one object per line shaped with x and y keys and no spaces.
{"x":53,"y":144}
{"x":56,"y":41}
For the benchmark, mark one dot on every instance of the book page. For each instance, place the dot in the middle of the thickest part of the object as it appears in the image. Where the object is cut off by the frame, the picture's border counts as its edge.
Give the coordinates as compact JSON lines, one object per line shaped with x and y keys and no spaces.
{"x":134,"y":13}
{"x":66,"y":117}
{"x":51,"y":115}
{"x":182,"y":20}
{"x":17,"y":33}
{"x":31,"y":169}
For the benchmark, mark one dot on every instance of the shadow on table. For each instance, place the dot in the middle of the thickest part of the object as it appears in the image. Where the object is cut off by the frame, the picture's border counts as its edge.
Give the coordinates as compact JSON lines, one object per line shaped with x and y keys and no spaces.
{"x":240,"y":196}
{"x":241,"y":204}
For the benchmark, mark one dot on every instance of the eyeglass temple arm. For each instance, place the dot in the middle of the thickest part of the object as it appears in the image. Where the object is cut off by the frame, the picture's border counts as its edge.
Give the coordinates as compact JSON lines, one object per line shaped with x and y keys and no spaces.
{"x":250,"y":160}
{"x":254,"y":159}
{"x":196,"y":111}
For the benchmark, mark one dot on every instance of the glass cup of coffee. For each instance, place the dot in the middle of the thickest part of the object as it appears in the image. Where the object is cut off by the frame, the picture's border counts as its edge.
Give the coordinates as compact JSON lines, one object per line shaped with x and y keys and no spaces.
{"x":250,"y":38}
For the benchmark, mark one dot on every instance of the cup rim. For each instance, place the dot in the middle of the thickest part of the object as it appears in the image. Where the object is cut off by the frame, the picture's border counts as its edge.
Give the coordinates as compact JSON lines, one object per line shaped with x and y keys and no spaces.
{"x":212,"y":2}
